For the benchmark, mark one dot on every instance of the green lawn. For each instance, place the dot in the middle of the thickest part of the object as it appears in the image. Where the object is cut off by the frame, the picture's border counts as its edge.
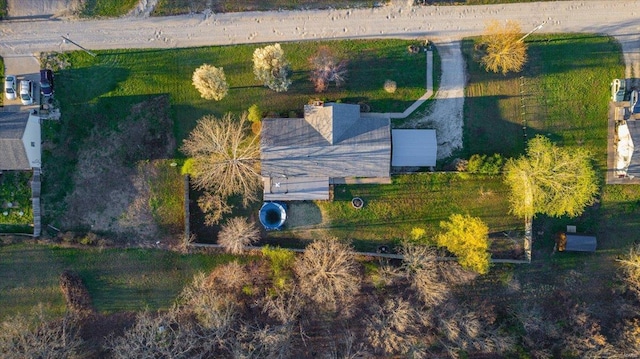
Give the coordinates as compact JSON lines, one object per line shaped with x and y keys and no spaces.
{"x":175,"y":7}
{"x":565,"y":85}
{"x":15,"y":198}
{"x":418,"y":200}
{"x":118,"y":280}
{"x":107,"y":8}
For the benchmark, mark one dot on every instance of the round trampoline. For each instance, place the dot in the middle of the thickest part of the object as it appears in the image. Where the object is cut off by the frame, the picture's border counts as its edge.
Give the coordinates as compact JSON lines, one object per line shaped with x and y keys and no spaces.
{"x":272,"y":215}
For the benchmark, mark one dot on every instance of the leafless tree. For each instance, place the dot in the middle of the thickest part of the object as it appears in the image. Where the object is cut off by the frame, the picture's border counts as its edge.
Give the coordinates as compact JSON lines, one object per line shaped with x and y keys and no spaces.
{"x":214,"y":207}
{"x":421,"y":266}
{"x":215,"y":309}
{"x":269,"y":342}
{"x":504,"y":51}
{"x":391,"y":327}
{"x":226,"y":157}
{"x":36,"y":337}
{"x":238,"y":233}
{"x":630,"y":265}
{"x":326,"y":69}
{"x":328,"y":273}
{"x":462,"y":329}
{"x":285,"y":306}
{"x":211,"y":82}
{"x":157,"y":336}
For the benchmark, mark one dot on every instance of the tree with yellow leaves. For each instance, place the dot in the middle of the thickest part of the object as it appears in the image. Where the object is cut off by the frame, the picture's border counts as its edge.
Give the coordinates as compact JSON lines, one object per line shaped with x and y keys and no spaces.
{"x":468,"y":238}
{"x":503,"y":48}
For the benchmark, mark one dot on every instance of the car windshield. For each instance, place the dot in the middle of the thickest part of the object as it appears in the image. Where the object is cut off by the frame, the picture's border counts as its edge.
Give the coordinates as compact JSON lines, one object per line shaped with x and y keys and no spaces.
{"x":25,"y":96}
{"x":9,"y":90}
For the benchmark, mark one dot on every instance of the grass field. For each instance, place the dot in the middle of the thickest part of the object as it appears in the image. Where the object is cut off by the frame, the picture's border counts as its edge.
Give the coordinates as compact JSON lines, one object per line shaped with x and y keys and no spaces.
{"x":118,"y":280}
{"x":417,"y":200}
{"x":565,"y":93}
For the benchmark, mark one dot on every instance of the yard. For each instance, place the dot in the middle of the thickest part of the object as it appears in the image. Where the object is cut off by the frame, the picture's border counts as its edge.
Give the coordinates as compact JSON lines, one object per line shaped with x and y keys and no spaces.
{"x":412,"y":201}
{"x":16,"y":214}
{"x":118,"y":280}
{"x":125,"y":108}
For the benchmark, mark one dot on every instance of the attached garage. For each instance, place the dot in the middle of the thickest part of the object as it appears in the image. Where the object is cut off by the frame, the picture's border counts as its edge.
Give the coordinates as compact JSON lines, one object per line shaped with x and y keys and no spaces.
{"x":413,"y":148}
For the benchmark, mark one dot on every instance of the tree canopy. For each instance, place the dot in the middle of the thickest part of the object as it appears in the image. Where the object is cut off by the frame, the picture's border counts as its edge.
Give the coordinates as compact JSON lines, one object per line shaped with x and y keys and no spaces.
{"x":272,"y":68}
{"x":211,"y":82}
{"x":550,"y":180}
{"x":226,"y":157}
{"x":468,"y":238}
{"x":503,"y":49}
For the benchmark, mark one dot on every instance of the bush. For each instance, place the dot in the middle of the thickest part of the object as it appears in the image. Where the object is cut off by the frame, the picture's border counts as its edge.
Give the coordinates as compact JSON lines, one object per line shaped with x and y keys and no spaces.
{"x":485,"y":165}
{"x":281,"y":261}
{"x":255,"y":114}
{"x":211,"y":82}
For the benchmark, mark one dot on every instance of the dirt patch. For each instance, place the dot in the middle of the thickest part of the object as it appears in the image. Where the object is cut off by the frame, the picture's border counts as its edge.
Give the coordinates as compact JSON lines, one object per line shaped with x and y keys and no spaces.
{"x":113,"y":174}
{"x":37,"y":8}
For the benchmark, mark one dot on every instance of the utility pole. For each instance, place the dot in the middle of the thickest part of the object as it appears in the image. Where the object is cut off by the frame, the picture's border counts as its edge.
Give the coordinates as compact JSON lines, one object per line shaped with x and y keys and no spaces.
{"x":532,"y":31}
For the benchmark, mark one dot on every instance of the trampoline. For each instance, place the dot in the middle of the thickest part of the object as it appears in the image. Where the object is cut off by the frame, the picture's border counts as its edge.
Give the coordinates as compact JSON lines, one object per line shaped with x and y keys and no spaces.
{"x":273,"y":215}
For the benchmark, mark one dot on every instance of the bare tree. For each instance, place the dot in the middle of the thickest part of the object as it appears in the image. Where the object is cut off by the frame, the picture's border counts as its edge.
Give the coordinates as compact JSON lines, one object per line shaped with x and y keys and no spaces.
{"x":326,"y":69}
{"x":272,"y":68}
{"x":226,"y":158}
{"x":211,"y":82}
{"x":36,"y":337}
{"x":238,"y":233}
{"x":157,"y":336}
{"x":390,"y":327}
{"x":504,"y":50}
{"x":421,"y":266}
{"x":214,"y":207}
{"x":630,"y":265}
{"x":328,"y":273}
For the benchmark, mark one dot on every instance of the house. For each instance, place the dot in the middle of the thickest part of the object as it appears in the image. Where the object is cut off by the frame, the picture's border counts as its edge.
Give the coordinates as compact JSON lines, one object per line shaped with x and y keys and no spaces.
{"x":302,"y":157}
{"x":19,"y":141}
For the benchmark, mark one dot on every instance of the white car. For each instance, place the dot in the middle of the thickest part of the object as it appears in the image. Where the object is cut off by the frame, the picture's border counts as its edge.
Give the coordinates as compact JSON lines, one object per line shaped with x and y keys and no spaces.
{"x":10,"y":87}
{"x":26,"y":92}
{"x":618,"y":90}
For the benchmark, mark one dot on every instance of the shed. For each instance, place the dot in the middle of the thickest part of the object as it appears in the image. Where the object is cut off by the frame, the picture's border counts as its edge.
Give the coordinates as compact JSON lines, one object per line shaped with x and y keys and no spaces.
{"x":413,"y":148}
{"x":580,"y":243}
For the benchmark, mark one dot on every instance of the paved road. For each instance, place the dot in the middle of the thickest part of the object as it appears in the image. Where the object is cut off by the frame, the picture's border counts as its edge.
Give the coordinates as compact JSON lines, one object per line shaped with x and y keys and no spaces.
{"x":615,"y":17}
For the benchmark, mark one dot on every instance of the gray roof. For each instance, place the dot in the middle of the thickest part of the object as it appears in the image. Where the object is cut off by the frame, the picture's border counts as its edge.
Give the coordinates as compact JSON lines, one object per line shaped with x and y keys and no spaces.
{"x":294,"y":147}
{"x":12,"y":152}
{"x":634,"y":131}
{"x":414,"y":147}
{"x":578,"y":243}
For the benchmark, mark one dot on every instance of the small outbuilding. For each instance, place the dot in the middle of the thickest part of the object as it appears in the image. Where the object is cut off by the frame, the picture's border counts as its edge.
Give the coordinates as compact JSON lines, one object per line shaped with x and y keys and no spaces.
{"x":571,"y":242}
{"x":413,"y":148}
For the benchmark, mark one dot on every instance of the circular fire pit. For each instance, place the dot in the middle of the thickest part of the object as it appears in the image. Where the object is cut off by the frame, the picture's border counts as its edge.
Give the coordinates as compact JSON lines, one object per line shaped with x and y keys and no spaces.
{"x":357,"y":202}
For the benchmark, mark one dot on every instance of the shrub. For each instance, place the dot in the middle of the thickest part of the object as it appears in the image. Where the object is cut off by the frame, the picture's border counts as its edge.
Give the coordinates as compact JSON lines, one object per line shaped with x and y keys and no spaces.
{"x":485,"y":165}
{"x":281,"y":261}
{"x":254,"y":114}
{"x":390,"y":86}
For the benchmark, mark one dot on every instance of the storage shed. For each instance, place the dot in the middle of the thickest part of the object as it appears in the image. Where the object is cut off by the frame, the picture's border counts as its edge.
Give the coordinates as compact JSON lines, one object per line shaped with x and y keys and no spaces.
{"x":580,"y":243}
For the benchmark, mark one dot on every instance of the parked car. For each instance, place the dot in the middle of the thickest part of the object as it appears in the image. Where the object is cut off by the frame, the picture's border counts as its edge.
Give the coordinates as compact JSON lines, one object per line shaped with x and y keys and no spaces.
{"x":46,"y":82}
{"x":618,"y":90}
{"x":10,"y":87}
{"x":26,"y":92}
{"x":635,"y":102}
